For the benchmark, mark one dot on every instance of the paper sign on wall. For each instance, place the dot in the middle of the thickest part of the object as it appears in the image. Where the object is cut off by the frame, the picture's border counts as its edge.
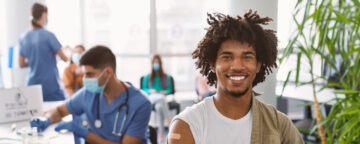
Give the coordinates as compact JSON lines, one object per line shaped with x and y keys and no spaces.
{"x":20,"y":103}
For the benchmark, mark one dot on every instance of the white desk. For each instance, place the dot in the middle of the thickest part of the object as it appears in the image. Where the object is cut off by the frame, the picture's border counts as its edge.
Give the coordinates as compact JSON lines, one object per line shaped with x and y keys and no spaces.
{"x":54,"y":137}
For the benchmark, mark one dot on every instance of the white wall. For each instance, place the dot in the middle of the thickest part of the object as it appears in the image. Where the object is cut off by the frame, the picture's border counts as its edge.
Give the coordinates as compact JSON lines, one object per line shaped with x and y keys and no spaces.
{"x":15,"y":20}
{"x":2,"y":38}
{"x":265,"y":8}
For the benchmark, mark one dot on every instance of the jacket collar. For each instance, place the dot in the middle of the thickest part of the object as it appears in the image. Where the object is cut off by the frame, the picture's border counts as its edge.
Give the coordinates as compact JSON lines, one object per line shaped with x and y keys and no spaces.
{"x":256,"y":125}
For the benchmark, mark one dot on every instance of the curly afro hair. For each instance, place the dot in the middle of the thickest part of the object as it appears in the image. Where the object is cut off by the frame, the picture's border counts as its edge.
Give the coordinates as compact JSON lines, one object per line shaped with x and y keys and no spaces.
{"x":246,"y":29}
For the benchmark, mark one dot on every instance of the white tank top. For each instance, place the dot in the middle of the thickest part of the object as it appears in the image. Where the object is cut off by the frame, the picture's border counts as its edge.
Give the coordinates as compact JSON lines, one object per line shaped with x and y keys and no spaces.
{"x":209,"y":126}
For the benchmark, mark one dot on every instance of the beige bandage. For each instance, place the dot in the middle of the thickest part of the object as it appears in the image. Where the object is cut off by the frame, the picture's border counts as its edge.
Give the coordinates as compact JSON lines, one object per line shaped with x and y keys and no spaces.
{"x":175,"y":136}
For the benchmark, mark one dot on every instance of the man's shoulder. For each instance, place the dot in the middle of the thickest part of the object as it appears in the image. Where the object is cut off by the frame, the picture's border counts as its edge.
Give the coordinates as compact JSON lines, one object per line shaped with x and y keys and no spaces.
{"x":269,"y":112}
{"x":83,"y":94}
{"x":136,"y":96}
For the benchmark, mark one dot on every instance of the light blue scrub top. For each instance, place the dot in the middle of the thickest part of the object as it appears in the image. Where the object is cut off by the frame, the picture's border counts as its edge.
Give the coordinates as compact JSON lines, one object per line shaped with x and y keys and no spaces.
{"x":39,"y":47}
{"x":136,"y":124}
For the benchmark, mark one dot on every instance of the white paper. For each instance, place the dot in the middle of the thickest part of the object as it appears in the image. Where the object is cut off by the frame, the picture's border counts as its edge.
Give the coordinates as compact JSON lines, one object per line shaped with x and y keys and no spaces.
{"x":20,"y":103}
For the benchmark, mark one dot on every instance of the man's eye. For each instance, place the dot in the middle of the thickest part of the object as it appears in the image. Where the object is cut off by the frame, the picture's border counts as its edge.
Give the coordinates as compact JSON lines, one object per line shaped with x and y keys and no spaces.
{"x":225,"y":57}
{"x":248,"y":57}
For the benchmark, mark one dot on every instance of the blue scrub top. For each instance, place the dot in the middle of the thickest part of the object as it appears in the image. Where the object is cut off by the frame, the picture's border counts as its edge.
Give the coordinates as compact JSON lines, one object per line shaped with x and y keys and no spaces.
{"x":136,"y":124}
{"x":39,"y":47}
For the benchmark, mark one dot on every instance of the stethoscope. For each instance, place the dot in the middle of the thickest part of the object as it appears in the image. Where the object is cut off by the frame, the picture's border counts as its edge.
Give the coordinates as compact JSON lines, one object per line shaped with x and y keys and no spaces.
{"x":98,"y":122}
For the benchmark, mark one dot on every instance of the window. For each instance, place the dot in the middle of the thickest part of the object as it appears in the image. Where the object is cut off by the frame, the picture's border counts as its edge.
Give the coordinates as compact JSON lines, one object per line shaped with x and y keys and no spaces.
{"x":120,"y":25}
{"x":286,"y":29}
{"x":127,"y":26}
{"x":180,"y":26}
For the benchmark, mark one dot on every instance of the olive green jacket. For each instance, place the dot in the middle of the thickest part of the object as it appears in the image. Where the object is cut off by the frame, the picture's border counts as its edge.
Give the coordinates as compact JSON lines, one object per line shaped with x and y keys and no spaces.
{"x":271,"y":126}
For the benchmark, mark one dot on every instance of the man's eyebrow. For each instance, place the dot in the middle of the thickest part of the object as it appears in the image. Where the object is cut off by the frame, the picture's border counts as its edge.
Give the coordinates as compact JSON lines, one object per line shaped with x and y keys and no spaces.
{"x":225,"y":53}
{"x":248,"y":53}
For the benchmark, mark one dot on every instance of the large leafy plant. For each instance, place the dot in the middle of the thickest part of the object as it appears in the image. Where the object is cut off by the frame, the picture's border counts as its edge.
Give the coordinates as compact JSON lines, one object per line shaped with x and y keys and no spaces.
{"x":330,"y":30}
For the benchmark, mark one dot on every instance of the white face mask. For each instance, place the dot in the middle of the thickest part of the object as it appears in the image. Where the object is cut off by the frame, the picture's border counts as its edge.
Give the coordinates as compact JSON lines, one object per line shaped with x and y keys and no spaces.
{"x":76,"y":58}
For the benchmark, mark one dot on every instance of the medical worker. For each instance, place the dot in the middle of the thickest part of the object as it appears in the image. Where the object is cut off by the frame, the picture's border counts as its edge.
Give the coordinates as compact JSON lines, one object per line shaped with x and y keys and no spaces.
{"x":38,"y":50}
{"x":116,"y":111}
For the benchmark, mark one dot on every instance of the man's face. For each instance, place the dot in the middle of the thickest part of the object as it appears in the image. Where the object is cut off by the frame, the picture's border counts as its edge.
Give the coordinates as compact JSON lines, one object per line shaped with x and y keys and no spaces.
{"x":91,"y":72}
{"x":235,"y":67}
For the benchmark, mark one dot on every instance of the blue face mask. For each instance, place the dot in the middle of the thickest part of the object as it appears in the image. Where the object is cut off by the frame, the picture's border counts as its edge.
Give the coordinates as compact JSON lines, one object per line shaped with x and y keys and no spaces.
{"x":156,"y":66}
{"x":46,"y":24}
{"x":75,"y":58}
{"x":92,"y":84}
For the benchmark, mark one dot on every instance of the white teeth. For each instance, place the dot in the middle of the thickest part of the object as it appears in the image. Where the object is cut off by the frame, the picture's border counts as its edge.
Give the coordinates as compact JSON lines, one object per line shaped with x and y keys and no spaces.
{"x":237,"y":77}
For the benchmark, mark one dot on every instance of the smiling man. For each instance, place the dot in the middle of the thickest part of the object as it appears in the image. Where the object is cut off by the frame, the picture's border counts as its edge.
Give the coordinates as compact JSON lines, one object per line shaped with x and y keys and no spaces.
{"x":235,"y":55}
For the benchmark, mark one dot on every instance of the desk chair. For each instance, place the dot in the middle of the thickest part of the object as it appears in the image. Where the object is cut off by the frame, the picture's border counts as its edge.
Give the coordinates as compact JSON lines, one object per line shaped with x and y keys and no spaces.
{"x":153,"y":135}
{"x":173,"y":105}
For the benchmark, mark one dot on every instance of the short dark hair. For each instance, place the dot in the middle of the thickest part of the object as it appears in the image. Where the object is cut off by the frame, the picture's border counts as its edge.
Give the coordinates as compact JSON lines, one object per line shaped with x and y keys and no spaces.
{"x":246,"y":29}
{"x":99,"y":57}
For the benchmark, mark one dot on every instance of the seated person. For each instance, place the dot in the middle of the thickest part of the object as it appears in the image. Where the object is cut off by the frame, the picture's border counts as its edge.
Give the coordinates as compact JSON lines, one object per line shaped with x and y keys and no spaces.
{"x":73,"y":75}
{"x":117,"y":111}
{"x":157,"y":84}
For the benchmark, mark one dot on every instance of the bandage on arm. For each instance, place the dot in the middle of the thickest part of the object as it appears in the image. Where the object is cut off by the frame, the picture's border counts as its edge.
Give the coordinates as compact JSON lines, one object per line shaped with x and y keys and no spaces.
{"x":180,"y":133}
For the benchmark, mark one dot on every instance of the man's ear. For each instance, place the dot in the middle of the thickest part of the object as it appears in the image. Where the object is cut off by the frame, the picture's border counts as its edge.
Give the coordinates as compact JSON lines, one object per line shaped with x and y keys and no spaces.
{"x":258,"y":67}
{"x":212,"y":68}
{"x":109,"y":71}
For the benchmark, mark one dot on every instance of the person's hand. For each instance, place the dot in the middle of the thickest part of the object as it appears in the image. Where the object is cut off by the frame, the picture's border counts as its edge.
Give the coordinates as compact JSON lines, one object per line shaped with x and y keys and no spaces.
{"x":152,"y":91}
{"x":40,"y":123}
{"x":73,"y":127}
{"x":163,"y":92}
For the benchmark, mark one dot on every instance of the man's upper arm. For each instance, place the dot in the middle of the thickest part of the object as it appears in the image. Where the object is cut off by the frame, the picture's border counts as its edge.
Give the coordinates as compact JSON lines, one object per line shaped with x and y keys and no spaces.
{"x":140,"y":123}
{"x":75,"y":105}
{"x":180,"y":133}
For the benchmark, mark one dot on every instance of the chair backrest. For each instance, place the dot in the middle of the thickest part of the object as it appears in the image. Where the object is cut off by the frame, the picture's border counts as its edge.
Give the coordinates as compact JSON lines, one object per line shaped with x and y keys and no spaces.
{"x":171,"y":81}
{"x":141,"y":82}
{"x":153,"y":135}
{"x":172,"y":84}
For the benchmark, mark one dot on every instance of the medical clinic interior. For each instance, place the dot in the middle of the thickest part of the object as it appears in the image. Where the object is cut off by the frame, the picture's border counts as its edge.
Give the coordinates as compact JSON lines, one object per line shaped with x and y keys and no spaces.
{"x":179,"y":71}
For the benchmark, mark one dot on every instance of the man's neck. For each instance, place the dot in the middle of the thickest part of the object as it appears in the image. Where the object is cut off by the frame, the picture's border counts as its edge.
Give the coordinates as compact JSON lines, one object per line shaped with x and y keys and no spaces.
{"x":113,"y":89}
{"x":233,"y":107}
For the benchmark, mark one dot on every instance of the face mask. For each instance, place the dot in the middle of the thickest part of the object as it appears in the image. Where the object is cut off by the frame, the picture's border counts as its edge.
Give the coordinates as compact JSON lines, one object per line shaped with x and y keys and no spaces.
{"x":92,"y":84}
{"x":76,"y":58}
{"x":46,"y":24}
{"x":156,"y":66}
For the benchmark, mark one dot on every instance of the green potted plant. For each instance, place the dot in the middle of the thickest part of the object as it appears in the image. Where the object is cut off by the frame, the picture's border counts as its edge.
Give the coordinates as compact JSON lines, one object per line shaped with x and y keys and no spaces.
{"x":330,"y":30}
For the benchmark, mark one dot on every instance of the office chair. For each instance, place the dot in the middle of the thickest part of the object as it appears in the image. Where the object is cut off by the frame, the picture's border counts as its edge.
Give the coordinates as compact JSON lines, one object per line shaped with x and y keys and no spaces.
{"x":153,"y":135}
